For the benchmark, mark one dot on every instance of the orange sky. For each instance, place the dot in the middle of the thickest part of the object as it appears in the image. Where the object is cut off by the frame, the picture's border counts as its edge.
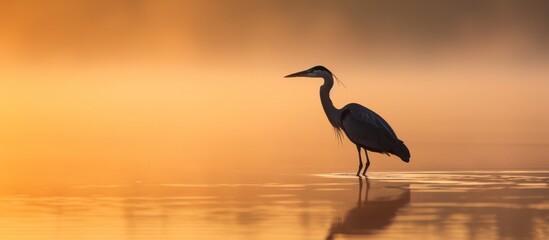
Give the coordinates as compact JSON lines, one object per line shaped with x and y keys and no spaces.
{"x":101,"y":91}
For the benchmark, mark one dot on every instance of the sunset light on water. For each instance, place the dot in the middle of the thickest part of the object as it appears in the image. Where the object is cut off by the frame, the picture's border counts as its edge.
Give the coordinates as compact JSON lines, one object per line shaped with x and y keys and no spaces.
{"x":173,"y":119}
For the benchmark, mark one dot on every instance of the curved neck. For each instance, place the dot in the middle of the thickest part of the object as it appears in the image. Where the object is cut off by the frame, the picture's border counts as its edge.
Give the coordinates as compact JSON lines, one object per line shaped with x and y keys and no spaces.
{"x":331,"y":111}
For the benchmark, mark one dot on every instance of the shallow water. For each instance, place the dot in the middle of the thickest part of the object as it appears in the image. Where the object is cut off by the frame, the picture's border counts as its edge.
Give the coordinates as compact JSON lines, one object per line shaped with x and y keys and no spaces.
{"x":386,"y":205}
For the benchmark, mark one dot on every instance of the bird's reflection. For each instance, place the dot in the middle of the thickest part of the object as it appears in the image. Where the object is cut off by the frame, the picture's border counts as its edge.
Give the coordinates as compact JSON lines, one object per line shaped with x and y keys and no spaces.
{"x":371,"y":214}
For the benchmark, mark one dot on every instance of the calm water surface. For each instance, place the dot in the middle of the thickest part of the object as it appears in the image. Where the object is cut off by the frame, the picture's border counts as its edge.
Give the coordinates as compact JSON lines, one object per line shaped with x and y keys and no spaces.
{"x":386,"y":205}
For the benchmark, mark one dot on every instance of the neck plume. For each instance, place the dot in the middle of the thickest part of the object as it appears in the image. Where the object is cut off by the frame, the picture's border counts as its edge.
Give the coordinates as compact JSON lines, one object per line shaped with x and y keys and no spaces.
{"x":331,"y":111}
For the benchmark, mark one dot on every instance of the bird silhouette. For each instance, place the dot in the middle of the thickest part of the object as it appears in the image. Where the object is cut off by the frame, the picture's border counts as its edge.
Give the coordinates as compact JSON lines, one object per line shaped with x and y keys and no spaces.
{"x":365,"y":128}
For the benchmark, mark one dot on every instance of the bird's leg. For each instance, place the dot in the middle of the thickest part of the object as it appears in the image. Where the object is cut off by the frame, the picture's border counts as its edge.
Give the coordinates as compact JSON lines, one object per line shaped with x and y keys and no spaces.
{"x":359,"y":202}
{"x":367,"y":190}
{"x":367,"y":162}
{"x":359,"y":160}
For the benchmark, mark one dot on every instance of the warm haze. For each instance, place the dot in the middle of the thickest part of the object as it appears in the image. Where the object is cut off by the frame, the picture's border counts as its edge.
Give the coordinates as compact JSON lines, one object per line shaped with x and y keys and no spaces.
{"x":172,"y":119}
{"x":124,"y":91}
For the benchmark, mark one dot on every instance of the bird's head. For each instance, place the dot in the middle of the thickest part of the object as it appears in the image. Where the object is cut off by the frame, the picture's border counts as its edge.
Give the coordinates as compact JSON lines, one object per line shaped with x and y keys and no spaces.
{"x":316,"y":71}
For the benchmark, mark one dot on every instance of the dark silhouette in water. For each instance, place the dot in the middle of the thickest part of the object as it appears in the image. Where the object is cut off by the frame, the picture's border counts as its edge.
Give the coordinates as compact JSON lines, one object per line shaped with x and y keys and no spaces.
{"x":369,"y":216}
{"x":365,"y":128}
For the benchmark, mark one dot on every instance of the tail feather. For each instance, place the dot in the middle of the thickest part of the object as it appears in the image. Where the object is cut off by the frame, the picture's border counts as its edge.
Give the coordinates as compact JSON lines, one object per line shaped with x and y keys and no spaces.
{"x":401,"y":150}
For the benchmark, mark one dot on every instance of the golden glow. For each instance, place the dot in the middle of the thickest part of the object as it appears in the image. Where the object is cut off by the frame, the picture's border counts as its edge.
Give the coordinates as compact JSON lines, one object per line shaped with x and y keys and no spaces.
{"x":171,"y":119}
{"x":150,"y":91}
{"x":390,"y":205}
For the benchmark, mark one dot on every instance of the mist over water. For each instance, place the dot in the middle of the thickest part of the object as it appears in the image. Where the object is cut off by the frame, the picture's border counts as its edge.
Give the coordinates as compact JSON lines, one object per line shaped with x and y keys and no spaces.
{"x":159,"y":119}
{"x":418,"y":205}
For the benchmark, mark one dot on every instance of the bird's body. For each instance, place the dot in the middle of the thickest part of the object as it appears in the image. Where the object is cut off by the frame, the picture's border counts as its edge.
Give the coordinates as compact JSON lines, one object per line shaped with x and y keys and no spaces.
{"x":370,"y":131}
{"x":365,"y":128}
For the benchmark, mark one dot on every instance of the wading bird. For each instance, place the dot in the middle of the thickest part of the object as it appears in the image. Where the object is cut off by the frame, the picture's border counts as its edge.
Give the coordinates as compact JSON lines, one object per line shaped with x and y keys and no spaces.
{"x":362,"y":126}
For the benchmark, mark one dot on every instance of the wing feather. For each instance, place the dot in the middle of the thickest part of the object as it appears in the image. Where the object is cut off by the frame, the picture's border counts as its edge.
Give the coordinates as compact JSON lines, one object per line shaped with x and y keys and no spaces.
{"x":365,"y":127}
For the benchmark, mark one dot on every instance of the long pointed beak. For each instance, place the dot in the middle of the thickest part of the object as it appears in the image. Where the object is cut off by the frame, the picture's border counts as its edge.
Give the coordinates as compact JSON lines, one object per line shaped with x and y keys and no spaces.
{"x":297,"y":74}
